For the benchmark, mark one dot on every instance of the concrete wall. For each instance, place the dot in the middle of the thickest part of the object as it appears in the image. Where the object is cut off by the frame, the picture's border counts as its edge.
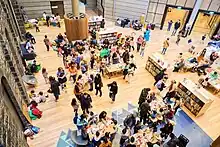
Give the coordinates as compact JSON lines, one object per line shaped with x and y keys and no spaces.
{"x":131,"y":9}
{"x":91,"y":4}
{"x":13,"y":95}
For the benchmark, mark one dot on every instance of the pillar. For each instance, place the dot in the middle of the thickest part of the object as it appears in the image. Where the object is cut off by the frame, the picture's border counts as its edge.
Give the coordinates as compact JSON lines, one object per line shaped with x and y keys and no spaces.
{"x":195,"y":11}
{"x":75,"y":8}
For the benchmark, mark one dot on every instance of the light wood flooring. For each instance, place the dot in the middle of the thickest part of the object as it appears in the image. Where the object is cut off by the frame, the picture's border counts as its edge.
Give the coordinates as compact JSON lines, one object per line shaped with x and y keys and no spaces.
{"x":57,"y":116}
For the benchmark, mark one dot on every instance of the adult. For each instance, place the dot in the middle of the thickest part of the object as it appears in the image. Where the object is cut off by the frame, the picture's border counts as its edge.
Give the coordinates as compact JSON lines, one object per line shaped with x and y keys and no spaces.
{"x":58,"y":20}
{"x":130,"y":121}
{"x":60,"y":38}
{"x":124,"y":137}
{"x":86,"y":101}
{"x":131,"y":142}
{"x":126,"y":56}
{"x":169,"y":25}
{"x":139,"y":42}
{"x":160,"y":75}
{"x":176,"y":27}
{"x":178,"y":37}
{"x":178,"y":65}
{"x":47,"y":42}
{"x":115,"y":58}
{"x":113,"y":90}
{"x":166,"y":44}
{"x":61,"y":75}
{"x":103,"y":116}
{"x":147,"y":35}
{"x":145,"y":111}
{"x":44,"y":15}
{"x":177,"y":104}
{"x":143,"y":96}
{"x":98,"y":84}
{"x":48,"y":20}
{"x":166,"y":130}
{"x":30,"y":37}
{"x":125,"y":70}
{"x":29,"y":46}
{"x":81,"y":121}
{"x":171,"y":91}
{"x":106,"y":143}
{"x":54,"y":86}
{"x":78,"y":90}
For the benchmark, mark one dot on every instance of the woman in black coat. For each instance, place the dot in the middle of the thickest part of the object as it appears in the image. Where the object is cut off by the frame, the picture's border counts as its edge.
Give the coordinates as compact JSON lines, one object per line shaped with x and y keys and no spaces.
{"x":86,"y":101}
{"x":160,"y":76}
{"x":98,"y":84}
{"x":54,"y":87}
{"x":113,"y":90}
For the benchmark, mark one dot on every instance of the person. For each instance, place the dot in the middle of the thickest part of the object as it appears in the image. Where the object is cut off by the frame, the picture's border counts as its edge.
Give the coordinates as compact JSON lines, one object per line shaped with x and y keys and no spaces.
{"x":78,"y":90}
{"x":131,"y":142}
{"x":54,"y":86}
{"x":201,"y":69}
{"x":176,"y":27}
{"x":98,"y":84}
{"x":126,"y":56}
{"x":124,"y":138}
{"x":106,"y":143}
{"x":171,"y":91}
{"x":75,"y":105}
{"x":92,"y":60}
{"x":30,"y":37}
{"x":81,"y":121}
{"x":58,"y":20}
{"x":103,"y":116}
{"x":61,"y":75}
{"x":173,"y":142}
{"x":130,"y":121}
{"x":137,"y":126}
{"x":203,"y":38}
{"x":40,"y":98}
{"x":125,"y":70}
{"x":32,"y":94}
{"x":113,"y":90}
{"x":166,"y":130}
{"x":73,"y":72}
{"x":143,"y":95}
{"x":47,"y":42}
{"x":29,"y":47}
{"x":37,"y":27}
{"x":132,"y":43}
{"x":139,"y":42}
{"x":102,"y":24}
{"x":143,"y":46}
{"x":115,"y":58}
{"x":44,"y":15}
{"x":178,"y":37}
{"x":35,"y":111}
{"x":169,"y":25}
{"x":166,"y":44}
{"x":91,"y":82}
{"x":147,"y":35}
{"x":96,"y":140}
{"x":169,"y":112}
{"x":205,"y":82}
{"x":48,"y":20}
{"x":160,"y":85}
{"x":213,"y":76}
{"x":160,"y":75}
{"x":144,"y":111}
{"x":93,"y":118}
{"x":177,"y":104}
{"x":60,"y":38}
{"x":86,"y":101}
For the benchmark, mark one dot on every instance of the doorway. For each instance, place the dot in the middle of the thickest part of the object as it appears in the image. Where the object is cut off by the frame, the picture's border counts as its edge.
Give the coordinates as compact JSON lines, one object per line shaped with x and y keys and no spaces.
{"x":57,"y":7}
{"x":206,"y":23}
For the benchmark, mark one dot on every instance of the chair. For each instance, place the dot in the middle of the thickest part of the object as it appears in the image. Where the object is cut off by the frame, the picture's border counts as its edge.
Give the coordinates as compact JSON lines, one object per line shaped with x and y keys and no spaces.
{"x":183,"y":141}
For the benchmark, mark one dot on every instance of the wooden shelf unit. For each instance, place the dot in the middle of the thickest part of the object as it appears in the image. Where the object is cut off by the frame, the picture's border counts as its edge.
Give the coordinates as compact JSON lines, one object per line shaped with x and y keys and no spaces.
{"x":196,"y":99}
{"x":95,"y":25}
{"x":111,"y":35}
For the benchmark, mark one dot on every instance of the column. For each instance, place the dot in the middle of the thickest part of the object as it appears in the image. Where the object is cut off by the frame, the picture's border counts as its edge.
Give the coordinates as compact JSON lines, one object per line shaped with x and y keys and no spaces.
{"x":75,"y":8}
{"x":195,"y":11}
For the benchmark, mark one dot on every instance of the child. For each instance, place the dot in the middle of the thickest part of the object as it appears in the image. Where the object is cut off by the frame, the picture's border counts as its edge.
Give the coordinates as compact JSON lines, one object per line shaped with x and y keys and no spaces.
{"x":75,"y":105}
{"x":45,"y":75}
{"x":205,"y":82}
{"x":143,"y":45}
{"x":203,"y":39}
{"x":132,"y":43}
{"x":37,"y":27}
{"x":40,"y":98}
{"x":32,"y":94}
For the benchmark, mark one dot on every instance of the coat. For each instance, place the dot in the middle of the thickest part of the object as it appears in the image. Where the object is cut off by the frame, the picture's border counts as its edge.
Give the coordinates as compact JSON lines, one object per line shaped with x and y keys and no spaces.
{"x":98,"y":83}
{"x":113,"y":88}
{"x":54,"y":86}
{"x":144,"y":109}
{"x":86,"y":101}
{"x":147,"y":35}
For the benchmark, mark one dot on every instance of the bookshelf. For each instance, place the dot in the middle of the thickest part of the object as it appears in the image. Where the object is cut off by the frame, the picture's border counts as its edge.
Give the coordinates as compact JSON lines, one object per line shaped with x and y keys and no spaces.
{"x":155,"y":64}
{"x":111,"y":35}
{"x":195,"y":98}
{"x":95,"y":25}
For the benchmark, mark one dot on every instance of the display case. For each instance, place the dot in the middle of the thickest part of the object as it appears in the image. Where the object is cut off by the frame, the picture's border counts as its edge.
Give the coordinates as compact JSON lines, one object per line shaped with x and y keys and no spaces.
{"x":111,"y":35}
{"x":155,"y":64}
{"x":195,"y":98}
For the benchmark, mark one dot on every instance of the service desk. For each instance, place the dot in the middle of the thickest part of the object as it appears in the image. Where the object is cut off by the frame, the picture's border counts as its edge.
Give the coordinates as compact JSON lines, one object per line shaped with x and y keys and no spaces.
{"x":155,"y":64}
{"x":195,"y":98}
{"x":114,"y":69}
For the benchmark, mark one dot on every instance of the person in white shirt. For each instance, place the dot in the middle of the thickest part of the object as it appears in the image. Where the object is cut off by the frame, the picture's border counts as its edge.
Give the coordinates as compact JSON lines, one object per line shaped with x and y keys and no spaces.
{"x":58,"y":20}
{"x":44,"y":15}
{"x":29,"y":46}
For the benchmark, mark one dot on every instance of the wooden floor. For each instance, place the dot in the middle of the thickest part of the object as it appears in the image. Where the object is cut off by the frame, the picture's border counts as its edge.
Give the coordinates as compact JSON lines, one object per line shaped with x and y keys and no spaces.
{"x":58,"y":116}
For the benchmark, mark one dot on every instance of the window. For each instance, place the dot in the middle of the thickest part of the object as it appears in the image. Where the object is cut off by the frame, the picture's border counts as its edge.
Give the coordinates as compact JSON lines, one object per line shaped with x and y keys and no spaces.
{"x":152,"y":7}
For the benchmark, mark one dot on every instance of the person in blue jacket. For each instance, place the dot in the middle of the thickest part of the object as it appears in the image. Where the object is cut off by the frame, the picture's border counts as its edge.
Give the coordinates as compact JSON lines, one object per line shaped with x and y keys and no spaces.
{"x":147,"y":35}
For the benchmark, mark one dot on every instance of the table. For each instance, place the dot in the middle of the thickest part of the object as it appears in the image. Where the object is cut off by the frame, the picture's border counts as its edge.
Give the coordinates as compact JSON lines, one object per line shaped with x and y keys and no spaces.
{"x":114,"y":69}
{"x":145,"y":136}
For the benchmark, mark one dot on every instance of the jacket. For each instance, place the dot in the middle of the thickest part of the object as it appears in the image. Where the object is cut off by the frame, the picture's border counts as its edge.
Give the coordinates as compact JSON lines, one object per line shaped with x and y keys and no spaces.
{"x":144,"y":108}
{"x":55,"y":87}
{"x":113,"y":88}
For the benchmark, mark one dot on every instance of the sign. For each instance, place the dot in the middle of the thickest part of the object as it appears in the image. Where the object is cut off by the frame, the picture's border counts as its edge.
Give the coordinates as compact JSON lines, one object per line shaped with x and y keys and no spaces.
{"x":179,"y":7}
{"x":54,"y":7}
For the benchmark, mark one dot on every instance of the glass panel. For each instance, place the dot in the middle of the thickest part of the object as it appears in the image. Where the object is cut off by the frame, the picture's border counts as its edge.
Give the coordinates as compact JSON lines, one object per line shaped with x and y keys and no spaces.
{"x":150,"y":17}
{"x":172,"y":2}
{"x":214,"y":5}
{"x":160,"y":8}
{"x":154,"y":0}
{"x":152,"y":7}
{"x":190,"y":3}
{"x":205,"y":4}
{"x":180,"y":2}
{"x":158,"y":18}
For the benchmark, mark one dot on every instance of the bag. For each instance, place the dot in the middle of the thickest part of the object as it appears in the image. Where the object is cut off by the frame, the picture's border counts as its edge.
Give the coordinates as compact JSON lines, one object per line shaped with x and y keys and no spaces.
{"x":35,"y":129}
